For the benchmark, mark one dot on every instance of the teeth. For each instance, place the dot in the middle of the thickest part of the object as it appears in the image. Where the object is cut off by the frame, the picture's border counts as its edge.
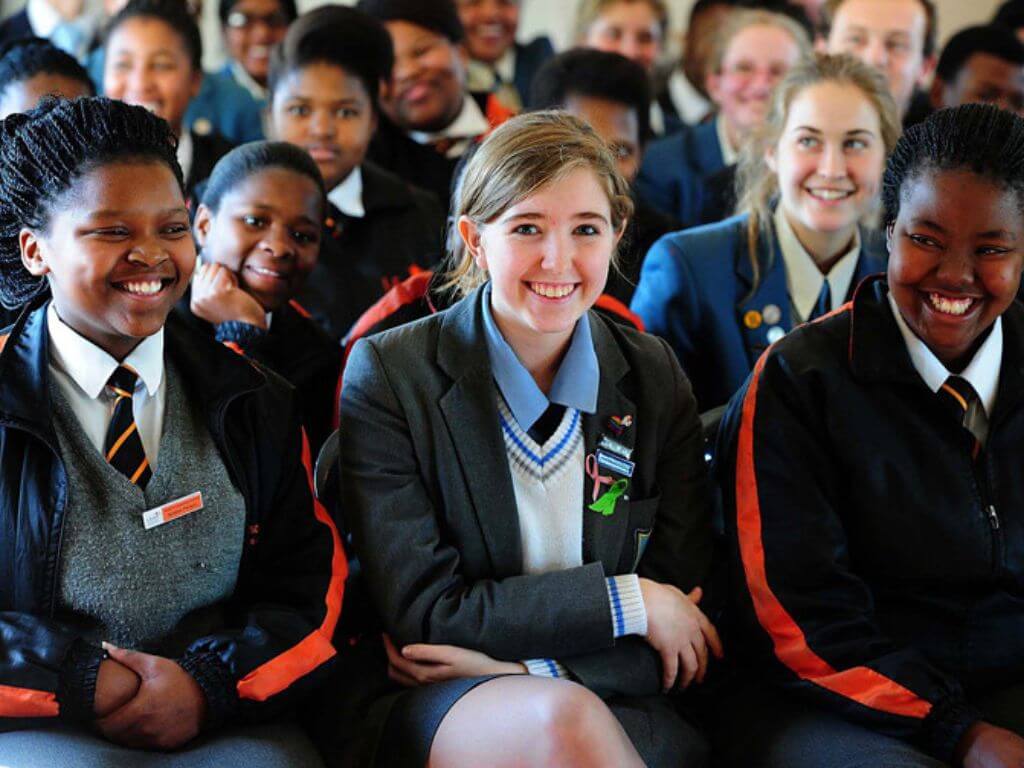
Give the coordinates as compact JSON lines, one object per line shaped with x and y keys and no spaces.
{"x":146,"y":288}
{"x":552,"y":291}
{"x":950,"y":306}
{"x":829,"y":194}
{"x":267,"y":272}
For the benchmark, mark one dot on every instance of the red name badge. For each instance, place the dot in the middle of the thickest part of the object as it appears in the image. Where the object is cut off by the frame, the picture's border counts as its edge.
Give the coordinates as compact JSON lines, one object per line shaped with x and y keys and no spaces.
{"x":172,"y":510}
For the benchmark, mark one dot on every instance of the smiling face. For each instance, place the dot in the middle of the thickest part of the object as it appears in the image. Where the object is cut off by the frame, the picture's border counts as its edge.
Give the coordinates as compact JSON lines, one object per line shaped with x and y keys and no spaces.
{"x":757,"y":58}
{"x":327,"y":112}
{"x":266,"y":231}
{"x":985,"y":79}
{"x":490,"y":27}
{"x":252,"y":29}
{"x":547,"y":258}
{"x":23,"y":95}
{"x":147,"y":64}
{"x":887,"y":34}
{"x":426,"y":88}
{"x":955,"y":255}
{"x":829,"y":161}
{"x":117,"y":253}
{"x":630,"y":28}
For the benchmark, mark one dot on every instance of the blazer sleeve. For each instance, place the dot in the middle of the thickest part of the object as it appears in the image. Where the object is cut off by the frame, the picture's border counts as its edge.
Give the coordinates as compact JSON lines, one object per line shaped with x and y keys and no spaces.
{"x":412,"y":565}
{"x":678,"y":551}
{"x":288,"y":599}
{"x":804,"y":606}
{"x":667,"y":300}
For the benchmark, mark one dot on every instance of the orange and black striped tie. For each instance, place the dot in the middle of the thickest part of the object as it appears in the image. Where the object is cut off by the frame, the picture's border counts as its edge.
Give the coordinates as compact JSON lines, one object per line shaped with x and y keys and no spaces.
{"x":967,"y":406}
{"x":123,"y":446}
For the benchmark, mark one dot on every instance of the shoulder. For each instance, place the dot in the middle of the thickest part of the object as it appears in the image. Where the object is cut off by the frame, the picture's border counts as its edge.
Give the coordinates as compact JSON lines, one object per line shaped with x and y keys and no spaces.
{"x":405,"y":349}
{"x":391,"y":189}
{"x":703,"y":247}
{"x":536,"y":50}
{"x":647,"y":355}
{"x":15,"y":26}
{"x":666,"y":150}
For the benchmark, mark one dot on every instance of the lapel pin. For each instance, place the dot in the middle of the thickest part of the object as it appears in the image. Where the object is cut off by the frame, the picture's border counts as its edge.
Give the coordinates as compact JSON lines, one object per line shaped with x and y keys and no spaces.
{"x":594,"y":473}
{"x":615,"y":447}
{"x":772,"y":314}
{"x":775,"y":333}
{"x":619,"y":424}
{"x":752,"y":319}
{"x":606,"y":504}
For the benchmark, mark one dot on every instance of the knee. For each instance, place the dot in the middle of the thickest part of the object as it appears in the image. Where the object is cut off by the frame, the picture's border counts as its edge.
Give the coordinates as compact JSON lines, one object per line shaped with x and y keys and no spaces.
{"x":576,"y":728}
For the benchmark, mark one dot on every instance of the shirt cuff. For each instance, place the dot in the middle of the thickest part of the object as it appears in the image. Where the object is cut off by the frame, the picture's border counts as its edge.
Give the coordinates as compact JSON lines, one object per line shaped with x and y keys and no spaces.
{"x":546,"y":668}
{"x":629,"y":615}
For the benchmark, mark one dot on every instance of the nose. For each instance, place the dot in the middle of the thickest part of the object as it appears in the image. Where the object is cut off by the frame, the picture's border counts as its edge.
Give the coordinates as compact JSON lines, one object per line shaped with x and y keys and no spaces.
{"x":148,"y":254}
{"x":406,"y":67}
{"x":277,"y":242}
{"x":631,"y":48}
{"x":322,"y":124}
{"x":557,"y":253}
{"x":139,"y":81}
{"x":876,"y":54}
{"x":956,"y":267}
{"x":832,"y":161}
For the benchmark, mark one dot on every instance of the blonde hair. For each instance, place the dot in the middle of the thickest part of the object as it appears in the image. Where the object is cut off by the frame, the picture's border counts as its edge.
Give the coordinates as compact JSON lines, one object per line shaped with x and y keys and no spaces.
{"x":589,"y":11}
{"x":517,"y":159}
{"x":744,"y":19}
{"x":756,"y":184}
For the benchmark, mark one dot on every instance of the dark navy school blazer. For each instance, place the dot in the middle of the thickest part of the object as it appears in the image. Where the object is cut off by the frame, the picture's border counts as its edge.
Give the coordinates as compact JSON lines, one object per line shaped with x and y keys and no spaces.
{"x":530,"y":57}
{"x":694,"y":290}
{"x":674,"y":168}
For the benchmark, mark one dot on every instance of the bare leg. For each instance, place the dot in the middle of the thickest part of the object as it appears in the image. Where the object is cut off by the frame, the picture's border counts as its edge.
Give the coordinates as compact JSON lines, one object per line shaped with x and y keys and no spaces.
{"x":531,"y":721}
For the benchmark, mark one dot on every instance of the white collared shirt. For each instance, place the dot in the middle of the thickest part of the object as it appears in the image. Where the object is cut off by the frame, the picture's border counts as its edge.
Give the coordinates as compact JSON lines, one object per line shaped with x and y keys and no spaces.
{"x":46,"y":22}
{"x":480,"y":75}
{"x":729,"y":154}
{"x":347,"y":197}
{"x":982,"y":372}
{"x":803,"y":277}
{"x":185,"y":152}
{"x":689,"y":102}
{"x":81,"y":370}
{"x":469,"y":124}
{"x":245,"y":80}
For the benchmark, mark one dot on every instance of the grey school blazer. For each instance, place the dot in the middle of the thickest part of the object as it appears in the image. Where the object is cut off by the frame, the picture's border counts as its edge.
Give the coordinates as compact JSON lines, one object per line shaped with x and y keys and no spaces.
{"x":427,"y":491}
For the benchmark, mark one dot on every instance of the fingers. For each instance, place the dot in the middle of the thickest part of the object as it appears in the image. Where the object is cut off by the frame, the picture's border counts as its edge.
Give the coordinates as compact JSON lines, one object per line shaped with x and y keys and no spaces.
{"x":669,"y":670}
{"x":711,"y":636}
{"x":427,"y":653}
{"x":700,"y":649}
{"x":139,"y":663}
{"x":400,"y":677}
{"x":690,"y":665}
{"x":695,"y":595}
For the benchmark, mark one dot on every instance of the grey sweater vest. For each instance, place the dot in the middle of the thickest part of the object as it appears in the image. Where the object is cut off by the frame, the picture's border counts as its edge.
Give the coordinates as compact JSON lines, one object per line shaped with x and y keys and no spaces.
{"x":154,"y":590}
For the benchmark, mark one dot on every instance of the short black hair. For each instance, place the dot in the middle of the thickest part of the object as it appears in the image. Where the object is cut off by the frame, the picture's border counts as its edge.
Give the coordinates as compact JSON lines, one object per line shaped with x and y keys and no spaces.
{"x":44,"y":151}
{"x":342,"y":37}
{"x":595,"y":74}
{"x":224,"y":8}
{"x":23,"y":59}
{"x":991,"y":39}
{"x":244,"y":161}
{"x":1010,"y":14}
{"x":439,"y":16}
{"x":977,"y":137}
{"x":173,"y":13}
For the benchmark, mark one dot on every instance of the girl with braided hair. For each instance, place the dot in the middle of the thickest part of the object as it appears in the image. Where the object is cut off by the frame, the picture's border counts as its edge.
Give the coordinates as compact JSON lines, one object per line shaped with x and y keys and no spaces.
{"x":870,"y":469}
{"x":31,"y":68}
{"x":166,"y":576}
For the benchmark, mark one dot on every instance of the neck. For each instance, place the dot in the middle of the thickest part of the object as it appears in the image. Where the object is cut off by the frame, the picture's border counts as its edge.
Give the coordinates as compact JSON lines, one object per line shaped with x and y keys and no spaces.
{"x":826,"y":248}
{"x":732,"y":133}
{"x":540,"y":353}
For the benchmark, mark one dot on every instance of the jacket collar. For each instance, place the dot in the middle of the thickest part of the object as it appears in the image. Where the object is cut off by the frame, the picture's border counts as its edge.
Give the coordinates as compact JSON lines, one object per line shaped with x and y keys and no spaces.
{"x":25,"y":375}
{"x":469,"y":409}
{"x":705,"y":151}
{"x":383,"y":190}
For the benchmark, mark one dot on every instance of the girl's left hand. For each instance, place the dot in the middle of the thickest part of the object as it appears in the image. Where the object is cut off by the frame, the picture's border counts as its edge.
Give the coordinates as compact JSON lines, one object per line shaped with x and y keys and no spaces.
{"x":423,"y":663}
{"x":216,"y":297}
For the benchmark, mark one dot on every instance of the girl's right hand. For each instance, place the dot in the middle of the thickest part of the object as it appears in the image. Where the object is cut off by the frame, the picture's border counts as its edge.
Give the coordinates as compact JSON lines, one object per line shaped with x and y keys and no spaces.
{"x":680,"y":632}
{"x":216,"y":297}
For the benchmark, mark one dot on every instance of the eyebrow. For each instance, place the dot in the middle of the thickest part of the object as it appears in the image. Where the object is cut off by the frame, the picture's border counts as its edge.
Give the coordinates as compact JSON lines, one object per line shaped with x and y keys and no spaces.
{"x":531,"y":216}
{"x":852,"y":132}
{"x":114,"y":213}
{"x":998,"y":233}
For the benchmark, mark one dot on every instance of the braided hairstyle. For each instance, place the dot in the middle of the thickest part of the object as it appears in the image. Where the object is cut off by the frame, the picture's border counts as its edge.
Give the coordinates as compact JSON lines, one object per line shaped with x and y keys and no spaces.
{"x":977,"y":137}
{"x":45,"y":151}
{"x":27,"y":57}
{"x":244,"y":161}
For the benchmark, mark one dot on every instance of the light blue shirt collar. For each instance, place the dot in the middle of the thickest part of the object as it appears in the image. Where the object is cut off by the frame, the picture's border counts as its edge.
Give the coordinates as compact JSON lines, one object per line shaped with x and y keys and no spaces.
{"x":575,"y":384}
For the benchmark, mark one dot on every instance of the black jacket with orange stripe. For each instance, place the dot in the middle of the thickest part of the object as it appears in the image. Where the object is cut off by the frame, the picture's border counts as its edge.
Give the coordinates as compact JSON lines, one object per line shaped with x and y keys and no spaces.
{"x":281,"y":617}
{"x":877,"y":569}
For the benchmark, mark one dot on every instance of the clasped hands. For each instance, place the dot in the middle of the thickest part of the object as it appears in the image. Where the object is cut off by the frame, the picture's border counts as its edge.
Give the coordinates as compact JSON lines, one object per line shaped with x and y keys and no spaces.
{"x":147,"y":701}
{"x":676,"y":628}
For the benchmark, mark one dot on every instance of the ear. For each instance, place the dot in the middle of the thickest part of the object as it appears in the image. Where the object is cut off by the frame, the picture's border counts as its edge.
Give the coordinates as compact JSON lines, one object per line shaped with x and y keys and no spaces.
{"x":888,"y":236}
{"x":33,"y":254}
{"x":771,"y":159}
{"x":713,"y":83}
{"x":203,"y":222}
{"x":927,"y":68}
{"x":937,"y":94}
{"x":472,"y":237}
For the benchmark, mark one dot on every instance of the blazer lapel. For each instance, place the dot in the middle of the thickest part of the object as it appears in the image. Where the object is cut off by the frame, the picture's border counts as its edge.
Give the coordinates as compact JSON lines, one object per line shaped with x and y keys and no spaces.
{"x":470,"y":412}
{"x":604,"y":536}
{"x":764,"y":317}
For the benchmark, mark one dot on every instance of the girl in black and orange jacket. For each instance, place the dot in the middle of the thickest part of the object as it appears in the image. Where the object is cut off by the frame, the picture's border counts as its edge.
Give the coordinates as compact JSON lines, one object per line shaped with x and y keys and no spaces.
{"x":871,"y":475}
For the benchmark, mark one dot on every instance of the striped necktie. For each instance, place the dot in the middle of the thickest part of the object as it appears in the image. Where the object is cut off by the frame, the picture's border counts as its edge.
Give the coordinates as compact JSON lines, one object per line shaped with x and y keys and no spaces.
{"x":824,"y":303}
{"x":123,"y":446}
{"x":967,"y":406}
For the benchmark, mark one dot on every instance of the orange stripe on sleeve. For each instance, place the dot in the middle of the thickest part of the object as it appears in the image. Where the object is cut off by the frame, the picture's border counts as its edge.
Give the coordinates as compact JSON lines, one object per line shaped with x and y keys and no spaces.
{"x":281,"y":671}
{"x":24,"y":702}
{"x":861,"y":684}
{"x":609,"y":303}
{"x":3,"y":341}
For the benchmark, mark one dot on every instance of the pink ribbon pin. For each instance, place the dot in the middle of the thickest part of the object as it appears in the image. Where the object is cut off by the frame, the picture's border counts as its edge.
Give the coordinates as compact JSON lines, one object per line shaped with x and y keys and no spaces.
{"x":594,"y":473}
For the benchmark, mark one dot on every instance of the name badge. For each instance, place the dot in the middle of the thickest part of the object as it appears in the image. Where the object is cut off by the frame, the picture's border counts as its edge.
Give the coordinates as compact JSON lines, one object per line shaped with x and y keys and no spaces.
{"x":616,"y":447}
{"x":615,"y":463}
{"x":172,"y":510}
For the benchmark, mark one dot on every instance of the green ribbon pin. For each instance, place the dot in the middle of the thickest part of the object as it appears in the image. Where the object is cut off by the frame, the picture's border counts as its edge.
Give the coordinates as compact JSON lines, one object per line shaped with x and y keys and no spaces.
{"x":606,"y":503}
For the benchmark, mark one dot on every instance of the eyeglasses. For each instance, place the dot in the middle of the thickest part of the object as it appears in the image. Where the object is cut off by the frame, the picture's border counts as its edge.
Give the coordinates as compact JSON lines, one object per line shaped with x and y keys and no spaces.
{"x":243,"y":20}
